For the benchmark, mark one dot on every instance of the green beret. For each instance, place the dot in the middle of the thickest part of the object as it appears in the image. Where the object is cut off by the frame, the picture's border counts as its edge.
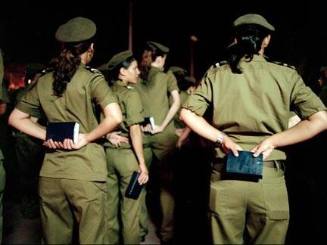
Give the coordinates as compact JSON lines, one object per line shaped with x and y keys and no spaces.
{"x":119,"y":58}
{"x":178,"y":70}
{"x":159,"y":46}
{"x":76,"y":30}
{"x":253,"y":19}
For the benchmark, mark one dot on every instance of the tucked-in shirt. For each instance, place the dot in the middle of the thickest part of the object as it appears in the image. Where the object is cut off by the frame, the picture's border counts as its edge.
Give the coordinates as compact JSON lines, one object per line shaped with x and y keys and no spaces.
{"x":255,"y":104}
{"x":86,"y":89}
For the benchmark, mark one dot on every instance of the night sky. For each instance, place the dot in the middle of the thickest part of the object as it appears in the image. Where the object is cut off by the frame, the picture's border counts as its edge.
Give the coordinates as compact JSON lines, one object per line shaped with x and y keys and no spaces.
{"x":27,"y":29}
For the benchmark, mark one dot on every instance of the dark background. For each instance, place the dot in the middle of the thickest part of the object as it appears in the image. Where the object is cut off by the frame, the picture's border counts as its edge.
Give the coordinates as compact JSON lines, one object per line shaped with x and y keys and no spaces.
{"x":27,"y":35}
{"x":27,"y":29}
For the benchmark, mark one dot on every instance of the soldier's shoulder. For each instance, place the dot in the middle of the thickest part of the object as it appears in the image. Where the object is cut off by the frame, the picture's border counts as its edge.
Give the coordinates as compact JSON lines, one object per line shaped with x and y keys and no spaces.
{"x":93,"y":70}
{"x":281,"y":64}
{"x":220,"y":64}
{"x":216,"y":67}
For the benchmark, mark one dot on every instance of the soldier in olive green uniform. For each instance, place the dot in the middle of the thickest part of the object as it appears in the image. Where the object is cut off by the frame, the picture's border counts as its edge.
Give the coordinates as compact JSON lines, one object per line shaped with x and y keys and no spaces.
{"x":251,"y":100}
{"x":72,"y":184}
{"x":154,"y":90}
{"x":3,"y":104}
{"x":125,"y":158}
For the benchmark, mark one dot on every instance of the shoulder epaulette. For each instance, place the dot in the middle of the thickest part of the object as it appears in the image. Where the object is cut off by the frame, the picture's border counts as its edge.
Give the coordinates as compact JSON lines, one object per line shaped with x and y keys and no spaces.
{"x":220,"y":63}
{"x":45,"y":71}
{"x":283,"y":64}
{"x":93,"y":70}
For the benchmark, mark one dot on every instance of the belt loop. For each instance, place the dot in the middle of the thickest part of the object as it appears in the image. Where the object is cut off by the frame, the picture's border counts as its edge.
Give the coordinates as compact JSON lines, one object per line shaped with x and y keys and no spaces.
{"x":276,"y":163}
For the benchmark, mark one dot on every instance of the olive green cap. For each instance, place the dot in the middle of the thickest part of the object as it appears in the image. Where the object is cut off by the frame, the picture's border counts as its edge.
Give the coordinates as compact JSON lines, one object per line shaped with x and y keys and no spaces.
{"x":159,"y":46}
{"x":253,"y":19}
{"x":77,"y":29}
{"x":118,"y":59}
{"x":178,"y":70}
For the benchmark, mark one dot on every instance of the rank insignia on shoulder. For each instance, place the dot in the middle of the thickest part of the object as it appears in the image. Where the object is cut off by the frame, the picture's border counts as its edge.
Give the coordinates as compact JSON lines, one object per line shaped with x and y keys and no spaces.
{"x":92,"y":69}
{"x":220,"y":63}
{"x":283,"y":64}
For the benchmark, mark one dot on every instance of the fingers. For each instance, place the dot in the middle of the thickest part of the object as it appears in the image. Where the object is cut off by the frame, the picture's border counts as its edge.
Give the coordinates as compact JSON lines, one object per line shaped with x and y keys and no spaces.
{"x":143,"y":178}
{"x":235,"y":152}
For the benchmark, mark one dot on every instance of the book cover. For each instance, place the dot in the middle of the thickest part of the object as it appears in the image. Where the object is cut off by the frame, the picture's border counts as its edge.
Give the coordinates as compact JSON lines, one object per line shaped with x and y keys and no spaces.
{"x":59,"y":131}
{"x":134,"y":188}
{"x":245,"y":165}
{"x":148,"y":120}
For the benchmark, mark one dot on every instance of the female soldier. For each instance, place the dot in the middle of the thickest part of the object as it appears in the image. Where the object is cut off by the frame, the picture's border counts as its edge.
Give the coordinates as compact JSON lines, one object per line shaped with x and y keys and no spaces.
{"x":72,"y":182}
{"x":125,"y":158}
{"x":251,"y":100}
{"x":155,"y":88}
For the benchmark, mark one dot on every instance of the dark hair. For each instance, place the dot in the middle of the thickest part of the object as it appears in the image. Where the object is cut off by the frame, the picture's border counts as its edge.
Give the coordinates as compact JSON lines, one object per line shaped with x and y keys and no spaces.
{"x":249,"y":38}
{"x":114,"y":73}
{"x":66,"y":63}
{"x":149,"y":55}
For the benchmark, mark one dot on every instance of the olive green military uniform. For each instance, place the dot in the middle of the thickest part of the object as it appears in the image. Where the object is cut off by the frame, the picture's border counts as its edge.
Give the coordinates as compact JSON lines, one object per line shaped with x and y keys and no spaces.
{"x":154,"y":94}
{"x":122,"y":162}
{"x":250,"y":107}
{"x":72,"y":182}
{"x":3,"y":99}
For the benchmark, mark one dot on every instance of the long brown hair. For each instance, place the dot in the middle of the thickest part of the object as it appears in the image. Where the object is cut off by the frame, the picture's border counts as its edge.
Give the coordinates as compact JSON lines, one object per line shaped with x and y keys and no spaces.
{"x":66,"y":63}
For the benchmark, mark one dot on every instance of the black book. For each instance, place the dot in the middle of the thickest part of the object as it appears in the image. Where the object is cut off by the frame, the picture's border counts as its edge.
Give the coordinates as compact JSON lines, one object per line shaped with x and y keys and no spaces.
{"x":148,"y":120}
{"x":59,"y":131}
{"x":134,"y":188}
{"x":245,"y":166}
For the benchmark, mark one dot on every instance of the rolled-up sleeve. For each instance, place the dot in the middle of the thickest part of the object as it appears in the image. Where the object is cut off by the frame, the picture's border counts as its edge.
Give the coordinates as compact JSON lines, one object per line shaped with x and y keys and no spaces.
{"x":134,"y":109}
{"x":101,"y":92}
{"x":305,"y":101}
{"x":30,"y":103}
{"x":200,"y":100}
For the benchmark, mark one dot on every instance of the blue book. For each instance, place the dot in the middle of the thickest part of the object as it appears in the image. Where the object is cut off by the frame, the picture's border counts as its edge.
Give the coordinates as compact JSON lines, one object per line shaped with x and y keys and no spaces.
{"x":245,"y":166}
{"x":59,"y":131}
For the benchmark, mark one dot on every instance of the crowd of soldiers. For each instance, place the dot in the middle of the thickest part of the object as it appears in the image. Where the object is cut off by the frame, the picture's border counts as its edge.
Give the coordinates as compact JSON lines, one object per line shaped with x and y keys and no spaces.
{"x":174,"y":163}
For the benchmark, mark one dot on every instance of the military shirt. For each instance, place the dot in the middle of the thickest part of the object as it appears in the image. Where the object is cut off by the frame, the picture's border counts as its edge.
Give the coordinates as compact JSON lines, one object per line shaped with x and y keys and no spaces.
{"x":131,"y":106}
{"x":154,"y":93}
{"x":76,"y":104}
{"x":251,"y":106}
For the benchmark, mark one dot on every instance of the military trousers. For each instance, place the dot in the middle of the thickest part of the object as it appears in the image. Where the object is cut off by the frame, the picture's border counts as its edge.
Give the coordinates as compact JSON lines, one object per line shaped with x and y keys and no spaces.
{"x":163,"y":146}
{"x":66,"y":201}
{"x":255,"y":211}
{"x":122,"y":210}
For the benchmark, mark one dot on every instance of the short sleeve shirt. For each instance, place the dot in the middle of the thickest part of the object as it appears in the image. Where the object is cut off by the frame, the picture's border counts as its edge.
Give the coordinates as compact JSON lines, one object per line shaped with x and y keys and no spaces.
{"x":255,"y":104}
{"x":86,"y":88}
{"x":131,"y":106}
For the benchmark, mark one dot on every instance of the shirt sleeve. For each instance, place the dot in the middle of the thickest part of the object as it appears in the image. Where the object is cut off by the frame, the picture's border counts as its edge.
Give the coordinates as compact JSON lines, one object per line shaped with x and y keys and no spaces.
{"x":305,"y":101}
{"x":134,"y":108}
{"x":30,"y":103}
{"x":101,"y":92}
{"x":200,"y":100}
{"x":171,"y":82}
